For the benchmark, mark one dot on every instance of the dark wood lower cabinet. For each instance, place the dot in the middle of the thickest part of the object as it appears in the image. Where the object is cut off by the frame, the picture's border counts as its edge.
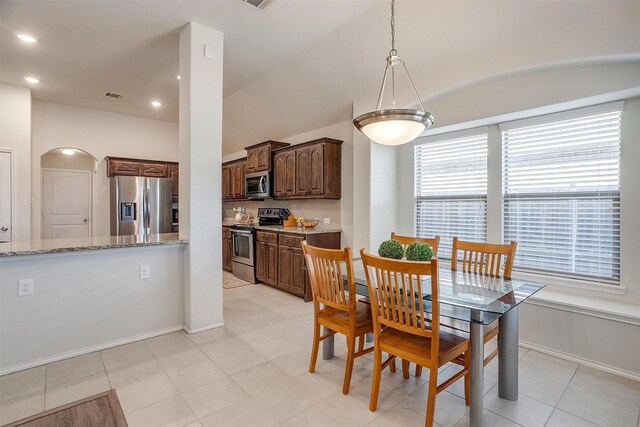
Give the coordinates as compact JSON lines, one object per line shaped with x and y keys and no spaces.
{"x":227,"y":249}
{"x":280,"y":260}
{"x":267,"y":262}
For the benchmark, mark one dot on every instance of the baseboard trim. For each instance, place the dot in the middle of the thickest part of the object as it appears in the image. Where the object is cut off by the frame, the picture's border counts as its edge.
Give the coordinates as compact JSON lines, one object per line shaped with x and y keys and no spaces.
{"x":580,"y":360}
{"x":86,"y":350}
{"x":204,"y":328}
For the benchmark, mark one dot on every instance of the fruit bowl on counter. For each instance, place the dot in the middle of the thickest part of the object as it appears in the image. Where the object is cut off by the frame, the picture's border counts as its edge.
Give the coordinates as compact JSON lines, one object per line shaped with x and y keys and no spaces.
{"x":310,"y":222}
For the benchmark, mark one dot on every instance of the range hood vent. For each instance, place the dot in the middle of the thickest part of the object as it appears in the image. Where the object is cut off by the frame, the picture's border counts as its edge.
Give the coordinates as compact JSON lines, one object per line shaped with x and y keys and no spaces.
{"x":259,"y":4}
{"x":114,"y":95}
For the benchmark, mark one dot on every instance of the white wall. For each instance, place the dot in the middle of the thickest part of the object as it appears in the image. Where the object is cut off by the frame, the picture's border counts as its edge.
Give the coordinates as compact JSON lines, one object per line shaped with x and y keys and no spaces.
{"x":83,"y":301}
{"x":15,"y":135}
{"x":100,"y":134}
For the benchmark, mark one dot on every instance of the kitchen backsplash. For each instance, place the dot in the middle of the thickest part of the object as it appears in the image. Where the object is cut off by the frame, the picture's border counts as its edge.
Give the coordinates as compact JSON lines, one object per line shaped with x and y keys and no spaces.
{"x":305,"y":208}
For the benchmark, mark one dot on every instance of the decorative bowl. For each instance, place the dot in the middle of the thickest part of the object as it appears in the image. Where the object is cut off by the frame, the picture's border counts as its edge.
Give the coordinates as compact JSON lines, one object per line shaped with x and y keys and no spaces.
{"x":310,"y":222}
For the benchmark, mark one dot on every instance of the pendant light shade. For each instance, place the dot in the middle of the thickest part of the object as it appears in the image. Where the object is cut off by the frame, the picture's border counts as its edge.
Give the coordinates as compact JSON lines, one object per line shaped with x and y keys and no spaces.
{"x":394,"y":126}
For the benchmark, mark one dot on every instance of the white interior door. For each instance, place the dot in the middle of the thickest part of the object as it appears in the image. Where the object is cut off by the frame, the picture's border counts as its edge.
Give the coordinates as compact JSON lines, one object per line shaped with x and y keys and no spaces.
{"x":5,"y":197}
{"x":66,"y":204}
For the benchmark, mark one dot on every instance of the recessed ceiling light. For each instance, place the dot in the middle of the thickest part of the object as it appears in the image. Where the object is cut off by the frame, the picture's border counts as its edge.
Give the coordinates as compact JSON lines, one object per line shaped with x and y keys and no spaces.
{"x":26,"y":38}
{"x":156,"y":104}
{"x":68,"y":151}
{"x":32,"y":79}
{"x":178,"y":77}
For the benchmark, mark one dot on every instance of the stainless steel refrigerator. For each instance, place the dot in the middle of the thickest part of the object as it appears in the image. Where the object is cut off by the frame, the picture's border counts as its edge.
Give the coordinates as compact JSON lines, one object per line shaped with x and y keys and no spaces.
{"x":140,"y":205}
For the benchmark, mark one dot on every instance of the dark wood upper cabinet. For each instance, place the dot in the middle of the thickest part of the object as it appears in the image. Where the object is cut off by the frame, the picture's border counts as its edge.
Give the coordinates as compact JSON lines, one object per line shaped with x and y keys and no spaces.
{"x":156,"y":170}
{"x":302,"y":171}
{"x":259,"y":156}
{"x":278,"y":175}
{"x":289,"y":173}
{"x":122,"y":167}
{"x":175,"y":184}
{"x":233,"y":173}
{"x":314,"y":168}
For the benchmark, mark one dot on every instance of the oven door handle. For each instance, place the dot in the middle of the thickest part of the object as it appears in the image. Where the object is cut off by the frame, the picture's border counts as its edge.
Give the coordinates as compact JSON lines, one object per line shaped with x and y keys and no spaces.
{"x":240,"y":231}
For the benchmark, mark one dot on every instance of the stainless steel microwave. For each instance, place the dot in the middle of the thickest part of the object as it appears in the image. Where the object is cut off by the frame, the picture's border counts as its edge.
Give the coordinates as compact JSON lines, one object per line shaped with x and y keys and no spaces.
{"x":257,"y":185}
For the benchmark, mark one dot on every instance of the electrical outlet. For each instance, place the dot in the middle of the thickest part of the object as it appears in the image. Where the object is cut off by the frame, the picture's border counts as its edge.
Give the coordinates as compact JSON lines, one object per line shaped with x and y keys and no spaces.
{"x":327,"y":221}
{"x":145,"y":271}
{"x":25,"y":287}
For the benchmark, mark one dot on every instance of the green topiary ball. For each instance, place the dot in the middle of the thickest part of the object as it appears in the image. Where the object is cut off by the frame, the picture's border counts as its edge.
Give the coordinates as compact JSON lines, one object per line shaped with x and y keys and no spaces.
{"x":418,"y":251}
{"x":391,"y":249}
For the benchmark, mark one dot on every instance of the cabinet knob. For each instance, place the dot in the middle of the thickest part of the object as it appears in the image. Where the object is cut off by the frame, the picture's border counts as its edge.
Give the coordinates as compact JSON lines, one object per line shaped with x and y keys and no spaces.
{"x":85,"y":220}
{"x":4,"y":229}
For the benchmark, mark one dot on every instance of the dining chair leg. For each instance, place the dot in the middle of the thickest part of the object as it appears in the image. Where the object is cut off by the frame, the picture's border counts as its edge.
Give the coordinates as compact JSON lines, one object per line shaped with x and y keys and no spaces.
{"x":361,"y":343}
{"x":405,"y":369}
{"x":375,"y":381}
{"x":431,"y":398}
{"x":467,"y":382}
{"x":316,"y":345}
{"x":392,"y":366}
{"x":418,"y":371}
{"x":351,"y":350}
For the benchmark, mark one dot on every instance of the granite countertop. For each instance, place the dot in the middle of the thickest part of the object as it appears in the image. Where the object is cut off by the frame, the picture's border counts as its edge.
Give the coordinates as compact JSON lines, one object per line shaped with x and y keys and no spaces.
{"x":319,"y":229}
{"x":37,"y":247}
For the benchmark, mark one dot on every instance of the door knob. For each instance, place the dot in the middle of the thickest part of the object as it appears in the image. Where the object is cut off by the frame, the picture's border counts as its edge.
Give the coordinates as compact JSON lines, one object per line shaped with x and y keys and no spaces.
{"x":85,"y":220}
{"x":4,"y":229}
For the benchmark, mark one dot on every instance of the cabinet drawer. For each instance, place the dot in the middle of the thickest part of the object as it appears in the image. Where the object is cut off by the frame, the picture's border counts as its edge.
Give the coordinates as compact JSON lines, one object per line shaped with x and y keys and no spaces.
{"x":263,"y":236}
{"x":158,"y":170}
{"x":294,"y":241}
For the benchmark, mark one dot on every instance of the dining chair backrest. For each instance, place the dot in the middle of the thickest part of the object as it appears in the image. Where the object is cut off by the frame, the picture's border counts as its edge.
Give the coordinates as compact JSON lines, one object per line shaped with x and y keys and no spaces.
{"x":483,"y":258}
{"x":325,"y":275}
{"x":434,"y":241}
{"x":396,"y":293}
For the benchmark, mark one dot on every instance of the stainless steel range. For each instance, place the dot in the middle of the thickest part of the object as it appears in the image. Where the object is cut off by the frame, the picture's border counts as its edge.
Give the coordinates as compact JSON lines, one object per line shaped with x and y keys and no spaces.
{"x":243,"y":257}
{"x":243,"y":237}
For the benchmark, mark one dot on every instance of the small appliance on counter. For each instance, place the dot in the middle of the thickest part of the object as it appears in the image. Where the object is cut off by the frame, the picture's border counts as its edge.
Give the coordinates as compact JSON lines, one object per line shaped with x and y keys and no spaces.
{"x":239,"y":212}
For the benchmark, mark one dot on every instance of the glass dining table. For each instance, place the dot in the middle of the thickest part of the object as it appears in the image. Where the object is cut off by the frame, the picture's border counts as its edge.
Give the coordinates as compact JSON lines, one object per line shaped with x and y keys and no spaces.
{"x":475,"y":301}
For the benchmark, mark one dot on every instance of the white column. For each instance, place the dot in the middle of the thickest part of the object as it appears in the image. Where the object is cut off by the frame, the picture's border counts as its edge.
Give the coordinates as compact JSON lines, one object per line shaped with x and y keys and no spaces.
{"x":200,"y":132}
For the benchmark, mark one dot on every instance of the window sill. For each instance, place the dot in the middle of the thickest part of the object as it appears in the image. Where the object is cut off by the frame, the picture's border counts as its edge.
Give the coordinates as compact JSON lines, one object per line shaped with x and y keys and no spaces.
{"x":571,"y":283}
{"x":587,"y":305}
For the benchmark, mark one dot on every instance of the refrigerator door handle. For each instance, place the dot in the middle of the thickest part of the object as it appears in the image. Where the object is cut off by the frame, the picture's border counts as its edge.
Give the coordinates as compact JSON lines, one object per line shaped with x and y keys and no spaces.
{"x":147,"y":211}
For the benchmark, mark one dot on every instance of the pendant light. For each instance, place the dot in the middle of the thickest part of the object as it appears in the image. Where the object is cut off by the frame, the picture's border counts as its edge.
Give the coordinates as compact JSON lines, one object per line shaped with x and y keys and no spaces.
{"x":394,"y":126}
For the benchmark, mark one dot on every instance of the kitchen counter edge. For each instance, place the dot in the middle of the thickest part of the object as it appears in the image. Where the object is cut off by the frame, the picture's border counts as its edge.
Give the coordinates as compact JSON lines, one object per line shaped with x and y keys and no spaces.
{"x":289,"y":230}
{"x":40,"y":247}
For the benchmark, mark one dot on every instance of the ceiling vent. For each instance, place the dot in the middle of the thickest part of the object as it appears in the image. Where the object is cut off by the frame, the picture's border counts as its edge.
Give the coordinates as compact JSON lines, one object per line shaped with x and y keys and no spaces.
{"x":259,"y":4}
{"x":114,"y":95}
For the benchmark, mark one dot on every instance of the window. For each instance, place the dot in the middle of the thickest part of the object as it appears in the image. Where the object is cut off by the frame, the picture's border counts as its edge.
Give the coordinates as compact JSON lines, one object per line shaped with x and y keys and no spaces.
{"x":561,"y":192}
{"x":451,"y":188}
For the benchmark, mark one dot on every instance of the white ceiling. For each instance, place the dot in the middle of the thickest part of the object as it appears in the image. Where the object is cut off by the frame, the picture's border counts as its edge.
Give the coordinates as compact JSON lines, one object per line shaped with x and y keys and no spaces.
{"x":85,"y":48}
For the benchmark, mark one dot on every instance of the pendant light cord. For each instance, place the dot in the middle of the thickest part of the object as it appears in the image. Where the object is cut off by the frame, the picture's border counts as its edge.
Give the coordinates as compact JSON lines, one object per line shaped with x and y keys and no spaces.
{"x":393,"y":28}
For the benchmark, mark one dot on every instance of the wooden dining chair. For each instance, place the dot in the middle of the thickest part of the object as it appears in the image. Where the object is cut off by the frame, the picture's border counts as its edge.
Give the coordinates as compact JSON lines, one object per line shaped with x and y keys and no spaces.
{"x":340,"y":312}
{"x":396,"y":292}
{"x":484,"y":259}
{"x":434,"y":241}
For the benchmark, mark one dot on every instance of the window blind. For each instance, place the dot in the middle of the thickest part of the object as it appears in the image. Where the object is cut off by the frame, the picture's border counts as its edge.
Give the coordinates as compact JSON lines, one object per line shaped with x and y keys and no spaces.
{"x":561,"y":192}
{"x":451,"y":187}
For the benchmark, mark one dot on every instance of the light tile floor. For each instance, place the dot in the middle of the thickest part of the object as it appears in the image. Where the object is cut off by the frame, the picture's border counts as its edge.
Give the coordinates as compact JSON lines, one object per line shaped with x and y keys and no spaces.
{"x":253,"y":372}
